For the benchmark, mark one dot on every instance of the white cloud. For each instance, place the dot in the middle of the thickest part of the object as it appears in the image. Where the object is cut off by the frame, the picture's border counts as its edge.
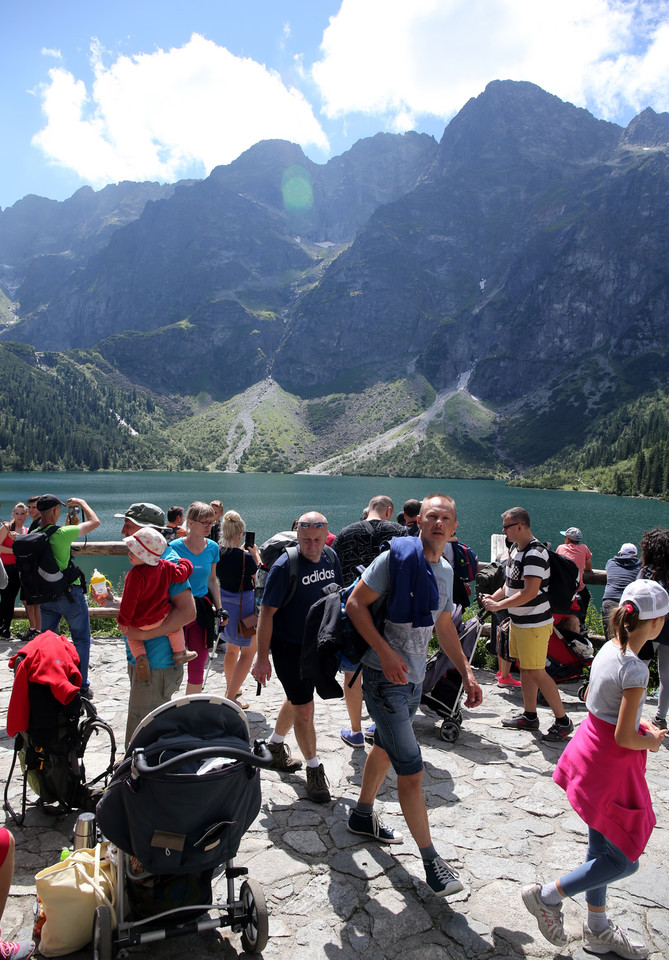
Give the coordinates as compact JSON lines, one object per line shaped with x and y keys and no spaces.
{"x":400,"y":60}
{"x":154,"y":116}
{"x":50,"y":52}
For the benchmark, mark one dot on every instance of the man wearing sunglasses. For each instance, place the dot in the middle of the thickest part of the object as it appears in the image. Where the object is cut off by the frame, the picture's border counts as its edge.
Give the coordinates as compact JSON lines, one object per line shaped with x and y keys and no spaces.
{"x":524,"y":598}
{"x":283,"y":612}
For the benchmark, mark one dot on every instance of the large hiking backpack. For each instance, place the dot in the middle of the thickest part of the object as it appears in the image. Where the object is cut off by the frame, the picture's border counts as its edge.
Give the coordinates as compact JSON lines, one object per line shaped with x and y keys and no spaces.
{"x":41,"y":577}
{"x":51,"y":750}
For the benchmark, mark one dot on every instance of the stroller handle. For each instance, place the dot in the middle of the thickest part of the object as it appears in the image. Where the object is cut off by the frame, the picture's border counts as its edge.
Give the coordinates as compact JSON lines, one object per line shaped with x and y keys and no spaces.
{"x":260,"y":757}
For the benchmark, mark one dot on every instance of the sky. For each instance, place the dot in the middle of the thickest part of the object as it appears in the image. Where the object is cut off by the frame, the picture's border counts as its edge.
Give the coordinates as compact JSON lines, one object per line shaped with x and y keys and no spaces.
{"x":96,"y":92}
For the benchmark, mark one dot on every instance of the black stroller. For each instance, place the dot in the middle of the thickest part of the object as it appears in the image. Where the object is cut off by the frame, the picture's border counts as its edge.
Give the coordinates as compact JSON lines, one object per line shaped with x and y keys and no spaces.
{"x":176,"y":809}
{"x":442,"y":686}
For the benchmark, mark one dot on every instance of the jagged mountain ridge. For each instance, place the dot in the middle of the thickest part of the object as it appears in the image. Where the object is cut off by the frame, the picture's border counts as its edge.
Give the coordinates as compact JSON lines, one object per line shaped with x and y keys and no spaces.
{"x":527,"y":247}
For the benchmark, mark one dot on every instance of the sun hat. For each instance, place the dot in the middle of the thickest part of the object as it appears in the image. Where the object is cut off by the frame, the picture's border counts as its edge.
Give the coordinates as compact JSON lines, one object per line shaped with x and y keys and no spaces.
{"x":47,"y":502}
{"x":572,"y":533}
{"x":144,"y":515}
{"x":648,"y":596}
{"x":147,"y":544}
{"x":628,"y":550}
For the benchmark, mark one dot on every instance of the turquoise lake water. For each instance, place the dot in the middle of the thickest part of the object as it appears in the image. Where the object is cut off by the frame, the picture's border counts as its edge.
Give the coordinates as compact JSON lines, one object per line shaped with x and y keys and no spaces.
{"x":270,"y":502}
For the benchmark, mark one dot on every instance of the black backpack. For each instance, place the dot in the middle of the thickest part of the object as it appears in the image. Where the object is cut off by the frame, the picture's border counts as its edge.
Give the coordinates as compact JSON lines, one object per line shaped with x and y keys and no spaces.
{"x":563,"y":580}
{"x":41,"y":577}
{"x":270,"y":551}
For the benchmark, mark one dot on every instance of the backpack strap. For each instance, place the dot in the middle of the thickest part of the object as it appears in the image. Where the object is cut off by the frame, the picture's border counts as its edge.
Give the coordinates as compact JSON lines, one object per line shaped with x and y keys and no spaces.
{"x":293,"y":554}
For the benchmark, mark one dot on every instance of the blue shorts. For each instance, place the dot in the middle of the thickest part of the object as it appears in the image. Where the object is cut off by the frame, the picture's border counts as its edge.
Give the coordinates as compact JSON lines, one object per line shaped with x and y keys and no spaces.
{"x":392,"y":707}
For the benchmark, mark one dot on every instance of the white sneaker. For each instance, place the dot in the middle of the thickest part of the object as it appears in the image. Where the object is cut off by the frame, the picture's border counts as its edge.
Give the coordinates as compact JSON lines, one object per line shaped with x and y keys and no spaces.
{"x":612,"y":940}
{"x":550,"y":919}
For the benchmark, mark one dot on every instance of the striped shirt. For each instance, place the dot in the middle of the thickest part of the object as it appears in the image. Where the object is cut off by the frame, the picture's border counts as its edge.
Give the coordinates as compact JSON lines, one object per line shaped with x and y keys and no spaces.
{"x":530,"y":562}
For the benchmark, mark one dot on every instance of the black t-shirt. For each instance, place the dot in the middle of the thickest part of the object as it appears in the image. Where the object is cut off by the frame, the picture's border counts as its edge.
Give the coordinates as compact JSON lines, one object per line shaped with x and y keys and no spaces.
{"x":229,"y":569}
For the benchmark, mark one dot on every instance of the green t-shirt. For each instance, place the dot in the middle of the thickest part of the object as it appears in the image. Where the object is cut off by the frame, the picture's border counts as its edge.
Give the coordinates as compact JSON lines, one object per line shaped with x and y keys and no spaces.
{"x":61,"y":542}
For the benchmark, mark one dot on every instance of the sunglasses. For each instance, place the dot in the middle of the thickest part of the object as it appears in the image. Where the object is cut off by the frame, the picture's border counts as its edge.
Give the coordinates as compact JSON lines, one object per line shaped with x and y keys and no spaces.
{"x":317,"y":524}
{"x":507,"y":526}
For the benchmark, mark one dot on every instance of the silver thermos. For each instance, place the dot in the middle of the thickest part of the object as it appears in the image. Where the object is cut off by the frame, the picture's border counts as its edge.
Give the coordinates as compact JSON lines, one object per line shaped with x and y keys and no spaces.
{"x":84,"y":831}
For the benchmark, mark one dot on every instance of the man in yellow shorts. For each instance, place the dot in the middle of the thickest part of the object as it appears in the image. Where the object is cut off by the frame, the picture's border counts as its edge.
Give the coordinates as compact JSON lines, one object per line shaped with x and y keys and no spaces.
{"x":524,"y":597}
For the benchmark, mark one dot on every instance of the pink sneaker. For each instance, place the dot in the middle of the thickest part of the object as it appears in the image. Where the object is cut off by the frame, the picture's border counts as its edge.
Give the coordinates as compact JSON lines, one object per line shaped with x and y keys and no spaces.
{"x":507,"y":681}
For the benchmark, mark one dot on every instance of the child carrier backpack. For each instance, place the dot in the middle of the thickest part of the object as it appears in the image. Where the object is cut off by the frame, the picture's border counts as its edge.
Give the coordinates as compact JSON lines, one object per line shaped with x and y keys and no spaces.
{"x":41,"y":577}
{"x":51,"y":748}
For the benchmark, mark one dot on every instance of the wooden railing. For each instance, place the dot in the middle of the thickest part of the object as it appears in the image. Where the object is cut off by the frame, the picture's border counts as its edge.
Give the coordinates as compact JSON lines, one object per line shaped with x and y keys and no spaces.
{"x":95,"y":548}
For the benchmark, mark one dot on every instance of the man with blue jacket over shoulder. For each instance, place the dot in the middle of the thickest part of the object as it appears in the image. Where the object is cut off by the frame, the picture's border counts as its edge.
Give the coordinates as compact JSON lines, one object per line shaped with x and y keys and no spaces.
{"x":419,"y":585}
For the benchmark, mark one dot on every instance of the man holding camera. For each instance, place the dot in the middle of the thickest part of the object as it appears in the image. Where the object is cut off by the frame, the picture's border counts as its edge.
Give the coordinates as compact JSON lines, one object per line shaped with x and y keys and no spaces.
{"x":71,"y":605}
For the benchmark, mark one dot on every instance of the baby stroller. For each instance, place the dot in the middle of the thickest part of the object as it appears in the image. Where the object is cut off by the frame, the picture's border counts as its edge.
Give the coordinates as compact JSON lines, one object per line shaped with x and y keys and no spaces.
{"x":176,"y":809}
{"x":569,"y":655}
{"x":442,"y":686}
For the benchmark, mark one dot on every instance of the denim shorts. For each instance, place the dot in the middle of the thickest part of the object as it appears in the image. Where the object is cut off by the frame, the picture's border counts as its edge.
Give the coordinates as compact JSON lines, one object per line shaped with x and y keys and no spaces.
{"x":392,"y":707}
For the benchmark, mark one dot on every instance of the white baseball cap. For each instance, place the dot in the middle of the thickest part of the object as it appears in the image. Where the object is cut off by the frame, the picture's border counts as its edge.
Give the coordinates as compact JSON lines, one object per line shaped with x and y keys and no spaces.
{"x":648,"y":596}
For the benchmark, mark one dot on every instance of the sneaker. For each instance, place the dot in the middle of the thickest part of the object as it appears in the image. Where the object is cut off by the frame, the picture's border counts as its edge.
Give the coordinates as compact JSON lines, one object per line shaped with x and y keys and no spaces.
{"x":353,"y":739}
{"x":371,"y":827}
{"x":318,"y":787}
{"x":660,"y":722}
{"x":16,"y":950}
{"x":520,"y":722}
{"x":86,"y":692}
{"x":558,"y":732}
{"x":612,"y":940}
{"x":441,"y":879}
{"x":142,"y":668}
{"x":507,"y":681}
{"x":184,"y":656}
{"x":369,"y":733}
{"x":550,"y":919}
{"x":29,"y":635}
{"x":281,"y":758}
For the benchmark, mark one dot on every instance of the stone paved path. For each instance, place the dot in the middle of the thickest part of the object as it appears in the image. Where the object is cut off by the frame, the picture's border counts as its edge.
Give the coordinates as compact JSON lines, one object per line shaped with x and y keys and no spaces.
{"x":495,"y":814}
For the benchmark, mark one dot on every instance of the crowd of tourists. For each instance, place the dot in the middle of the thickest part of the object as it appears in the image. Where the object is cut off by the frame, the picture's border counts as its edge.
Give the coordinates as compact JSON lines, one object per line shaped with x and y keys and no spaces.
{"x":193,"y":581}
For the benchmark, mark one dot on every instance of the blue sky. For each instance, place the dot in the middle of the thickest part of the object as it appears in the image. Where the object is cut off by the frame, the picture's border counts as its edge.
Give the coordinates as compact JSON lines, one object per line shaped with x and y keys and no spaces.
{"x":96,"y":92}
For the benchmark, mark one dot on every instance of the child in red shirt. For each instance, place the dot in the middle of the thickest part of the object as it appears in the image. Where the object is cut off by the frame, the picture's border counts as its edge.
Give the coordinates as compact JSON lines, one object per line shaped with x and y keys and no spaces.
{"x":145,"y":601}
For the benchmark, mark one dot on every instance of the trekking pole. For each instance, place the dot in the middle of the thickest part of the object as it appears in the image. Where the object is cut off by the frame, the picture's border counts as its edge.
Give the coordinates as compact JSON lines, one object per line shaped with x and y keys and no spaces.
{"x":222,"y":620}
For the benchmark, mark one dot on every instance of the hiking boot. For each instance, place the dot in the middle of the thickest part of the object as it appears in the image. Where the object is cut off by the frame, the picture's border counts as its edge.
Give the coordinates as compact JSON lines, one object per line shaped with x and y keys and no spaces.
{"x":16,"y":949}
{"x":558,"y":732}
{"x":369,"y":733}
{"x":507,"y":681}
{"x":441,"y":878}
{"x":281,"y":758}
{"x":550,"y":919}
{"x":660,"y":722}
{"x":142,"y":668}
{"x":520,"y":722}
{"x":318,"y":787}
{"x":370,"y":826}
{"x":612,"y":940}
{"x":353,"y":738}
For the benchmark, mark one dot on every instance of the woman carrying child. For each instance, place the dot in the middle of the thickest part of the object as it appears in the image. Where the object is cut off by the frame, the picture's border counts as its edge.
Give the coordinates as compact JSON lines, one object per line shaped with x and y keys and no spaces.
{"x":602,"y":771}
{"x":145,"y":602}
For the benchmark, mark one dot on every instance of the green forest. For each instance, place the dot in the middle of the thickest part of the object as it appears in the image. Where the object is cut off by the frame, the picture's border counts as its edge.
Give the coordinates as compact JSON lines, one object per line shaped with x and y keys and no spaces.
{"x":626,"y":453}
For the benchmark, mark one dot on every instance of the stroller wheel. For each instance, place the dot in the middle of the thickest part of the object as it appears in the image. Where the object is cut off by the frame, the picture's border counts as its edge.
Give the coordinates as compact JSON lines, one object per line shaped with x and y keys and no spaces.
{"x":449,"y":731}
{"x":256,"y":929}
{"x":102,"y":933}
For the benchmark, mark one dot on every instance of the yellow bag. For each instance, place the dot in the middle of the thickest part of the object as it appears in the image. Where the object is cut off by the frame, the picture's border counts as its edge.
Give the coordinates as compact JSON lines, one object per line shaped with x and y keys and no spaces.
{"x":70,"y":891}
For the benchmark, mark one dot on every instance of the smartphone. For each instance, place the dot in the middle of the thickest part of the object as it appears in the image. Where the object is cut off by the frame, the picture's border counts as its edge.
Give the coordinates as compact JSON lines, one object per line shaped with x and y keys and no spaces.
{"x":250,"y":539}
